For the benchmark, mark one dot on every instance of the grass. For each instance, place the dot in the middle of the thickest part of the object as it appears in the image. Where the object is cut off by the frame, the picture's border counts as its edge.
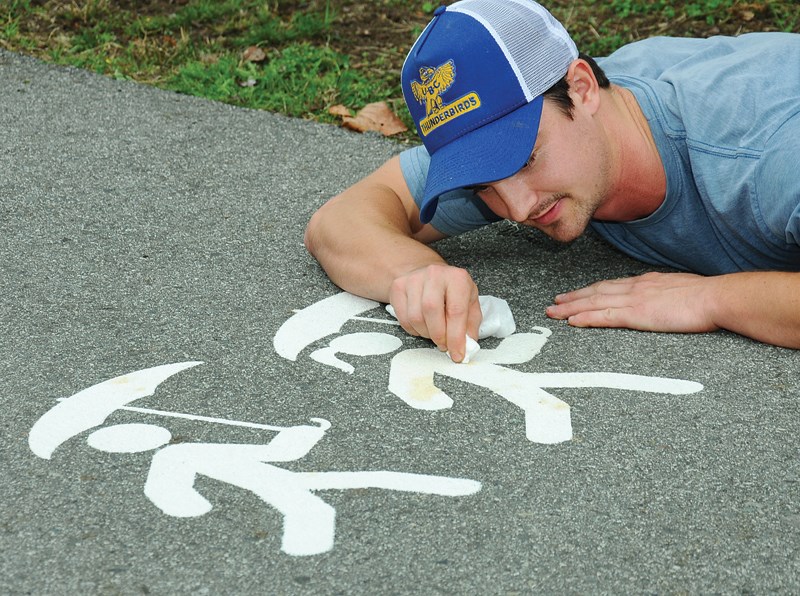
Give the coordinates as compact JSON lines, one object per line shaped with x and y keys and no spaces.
{"x":196,"y":47}
{"x":317,"y":53}
{"x":283,"y":84}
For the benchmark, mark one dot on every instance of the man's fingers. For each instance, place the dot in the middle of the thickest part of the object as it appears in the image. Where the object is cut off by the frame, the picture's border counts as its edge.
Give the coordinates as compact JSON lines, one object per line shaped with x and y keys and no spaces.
{"x":407,"y":308}
{"x":607,"y":317}
{"x":439,"y":302}
{"x":610,"y":286}
{"x":593,"y":302}
{"x":598,"y":311}
{"x":434,"y":312}
{"x":475,"y":317}
{"x":460,"y":302}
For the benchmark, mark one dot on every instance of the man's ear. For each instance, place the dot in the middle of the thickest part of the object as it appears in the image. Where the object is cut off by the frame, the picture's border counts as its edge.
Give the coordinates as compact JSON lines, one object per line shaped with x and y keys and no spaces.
{"x":583,"y":86}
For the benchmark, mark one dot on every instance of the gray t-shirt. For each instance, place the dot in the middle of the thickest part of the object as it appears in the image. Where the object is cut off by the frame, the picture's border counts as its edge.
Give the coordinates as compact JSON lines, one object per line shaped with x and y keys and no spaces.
{"x":725,"y":115}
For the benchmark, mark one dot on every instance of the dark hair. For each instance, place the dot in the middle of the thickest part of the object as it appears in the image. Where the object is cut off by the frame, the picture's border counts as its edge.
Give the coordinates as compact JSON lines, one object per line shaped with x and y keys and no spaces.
{"x":559,"y":93}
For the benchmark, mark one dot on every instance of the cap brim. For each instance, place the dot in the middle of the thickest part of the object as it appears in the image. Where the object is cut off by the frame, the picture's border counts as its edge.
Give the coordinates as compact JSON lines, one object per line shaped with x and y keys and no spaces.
{"x":492,"y":152}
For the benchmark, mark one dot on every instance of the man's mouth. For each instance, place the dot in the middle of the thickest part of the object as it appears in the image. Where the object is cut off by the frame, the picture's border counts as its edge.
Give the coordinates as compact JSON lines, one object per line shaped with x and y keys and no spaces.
{"x":550,"y":214}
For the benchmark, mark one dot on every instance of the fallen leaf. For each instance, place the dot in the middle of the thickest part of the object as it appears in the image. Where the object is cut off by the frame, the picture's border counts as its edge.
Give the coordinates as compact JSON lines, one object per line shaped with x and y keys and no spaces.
{"x":254,"y":54}
{"x":247,"y":83}
{"x":339,"y":110}
{"x":375,"y":116}
{"x":747,"y":15}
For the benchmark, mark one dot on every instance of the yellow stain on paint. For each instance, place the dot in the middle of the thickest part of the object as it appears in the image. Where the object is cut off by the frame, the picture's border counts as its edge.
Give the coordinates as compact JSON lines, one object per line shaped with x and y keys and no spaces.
{"x":423,"y":390}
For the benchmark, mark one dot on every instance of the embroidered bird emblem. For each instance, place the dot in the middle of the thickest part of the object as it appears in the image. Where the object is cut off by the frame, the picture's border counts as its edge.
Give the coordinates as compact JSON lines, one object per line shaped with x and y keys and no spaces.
{"x":434,"y":82}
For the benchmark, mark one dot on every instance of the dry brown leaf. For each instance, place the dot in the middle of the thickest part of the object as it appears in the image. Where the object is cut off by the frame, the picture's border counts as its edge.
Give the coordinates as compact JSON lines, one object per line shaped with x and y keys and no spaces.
{"x":376,"y":116}
{"x":339,"y":110}
{"x":254,"y":54}
{"x":747,"y":15}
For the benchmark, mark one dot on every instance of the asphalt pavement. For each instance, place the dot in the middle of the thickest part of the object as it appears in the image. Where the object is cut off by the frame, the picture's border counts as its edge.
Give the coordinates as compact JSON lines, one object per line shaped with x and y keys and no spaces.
{"x":189,"y":406}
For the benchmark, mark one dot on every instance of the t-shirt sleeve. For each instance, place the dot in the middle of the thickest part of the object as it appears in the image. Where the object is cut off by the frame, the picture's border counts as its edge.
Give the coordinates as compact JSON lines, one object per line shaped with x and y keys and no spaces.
{"x":459,"y":211}
{"x":778,"y":183}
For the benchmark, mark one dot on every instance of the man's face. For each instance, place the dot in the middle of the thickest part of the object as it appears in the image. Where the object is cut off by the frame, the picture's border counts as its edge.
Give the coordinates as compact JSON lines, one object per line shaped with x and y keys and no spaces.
{"x":564,"y":184}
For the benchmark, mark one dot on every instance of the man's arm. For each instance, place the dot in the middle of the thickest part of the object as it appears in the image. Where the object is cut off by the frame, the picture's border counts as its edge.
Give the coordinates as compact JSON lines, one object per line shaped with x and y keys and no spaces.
{"x":371,"y":243}
{"x":762,"y":305}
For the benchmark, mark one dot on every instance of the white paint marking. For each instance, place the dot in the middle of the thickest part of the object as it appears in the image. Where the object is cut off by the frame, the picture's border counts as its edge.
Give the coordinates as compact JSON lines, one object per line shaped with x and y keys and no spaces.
{"x":202,"y":418}
{"x":381,"y":321}
{"x":129,"y":438}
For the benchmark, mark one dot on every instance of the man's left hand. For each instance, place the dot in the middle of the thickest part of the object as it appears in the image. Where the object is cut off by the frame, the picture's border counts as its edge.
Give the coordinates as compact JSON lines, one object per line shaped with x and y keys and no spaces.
{"x":671,"y":302}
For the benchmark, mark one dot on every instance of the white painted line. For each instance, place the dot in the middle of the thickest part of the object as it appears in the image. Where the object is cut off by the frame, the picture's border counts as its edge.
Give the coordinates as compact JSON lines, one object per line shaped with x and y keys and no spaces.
{"x":203,"y":418}
{"x":382,"y":321}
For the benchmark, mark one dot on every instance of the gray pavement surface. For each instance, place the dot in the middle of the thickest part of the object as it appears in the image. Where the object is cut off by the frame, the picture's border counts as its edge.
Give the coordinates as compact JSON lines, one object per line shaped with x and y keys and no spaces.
{"x":140,"y":228}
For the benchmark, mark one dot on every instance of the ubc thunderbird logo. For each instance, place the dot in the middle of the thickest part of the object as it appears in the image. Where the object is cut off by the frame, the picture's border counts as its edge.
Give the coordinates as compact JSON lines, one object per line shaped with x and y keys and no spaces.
{"x":434,"y":82}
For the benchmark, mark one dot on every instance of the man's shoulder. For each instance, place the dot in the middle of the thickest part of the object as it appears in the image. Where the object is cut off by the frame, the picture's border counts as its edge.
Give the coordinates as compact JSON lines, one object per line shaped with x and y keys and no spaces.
{"x":690,"y":86}
{"x":652,"y":57}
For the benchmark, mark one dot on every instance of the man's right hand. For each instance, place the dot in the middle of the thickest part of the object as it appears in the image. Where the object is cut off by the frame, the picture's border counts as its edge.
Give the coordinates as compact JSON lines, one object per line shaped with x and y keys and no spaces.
{"x":440,"y":302}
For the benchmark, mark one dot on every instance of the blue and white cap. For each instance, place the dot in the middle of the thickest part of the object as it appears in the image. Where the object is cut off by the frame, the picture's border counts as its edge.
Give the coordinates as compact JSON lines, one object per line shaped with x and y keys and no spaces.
{"x":473,"y":83}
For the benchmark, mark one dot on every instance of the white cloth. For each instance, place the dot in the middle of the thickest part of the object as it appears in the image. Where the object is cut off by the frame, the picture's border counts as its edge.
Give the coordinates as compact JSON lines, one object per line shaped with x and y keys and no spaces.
{"x":471,"y":349}
{"x":497,"y":318}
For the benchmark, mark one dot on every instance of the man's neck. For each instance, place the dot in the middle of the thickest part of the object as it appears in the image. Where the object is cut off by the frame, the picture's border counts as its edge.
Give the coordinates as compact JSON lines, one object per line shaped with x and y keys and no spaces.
{"x":639,"y":183}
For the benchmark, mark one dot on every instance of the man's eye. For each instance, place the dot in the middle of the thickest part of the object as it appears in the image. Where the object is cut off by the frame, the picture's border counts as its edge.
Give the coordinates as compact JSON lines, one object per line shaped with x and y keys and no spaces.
{"x":477,"y":188}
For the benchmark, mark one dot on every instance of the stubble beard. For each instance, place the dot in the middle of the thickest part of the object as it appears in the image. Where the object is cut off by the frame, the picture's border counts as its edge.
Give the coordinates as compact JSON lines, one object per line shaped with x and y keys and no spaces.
{"x":574,"y":220}
{"x":579,"y":212}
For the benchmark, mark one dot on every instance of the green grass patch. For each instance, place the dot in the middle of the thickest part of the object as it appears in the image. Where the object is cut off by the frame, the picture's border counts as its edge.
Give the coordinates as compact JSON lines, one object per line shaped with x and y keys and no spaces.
{"x":319,"y":52}
{"x":284,"y":83}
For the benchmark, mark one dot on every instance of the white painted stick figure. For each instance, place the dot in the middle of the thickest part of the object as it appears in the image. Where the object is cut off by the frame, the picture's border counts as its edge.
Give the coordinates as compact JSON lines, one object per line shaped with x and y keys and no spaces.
{"x":309,"y":522}
{"x":547,"y":418}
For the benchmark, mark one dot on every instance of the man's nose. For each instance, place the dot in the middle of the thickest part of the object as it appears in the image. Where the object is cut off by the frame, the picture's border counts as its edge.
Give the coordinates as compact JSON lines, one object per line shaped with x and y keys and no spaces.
{"x":518,"y":199}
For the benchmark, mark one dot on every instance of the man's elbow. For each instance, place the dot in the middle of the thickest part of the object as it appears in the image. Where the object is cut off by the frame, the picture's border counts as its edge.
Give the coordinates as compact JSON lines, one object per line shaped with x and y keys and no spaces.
{"x":311,"y":235}
{"x":323,"y":219}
